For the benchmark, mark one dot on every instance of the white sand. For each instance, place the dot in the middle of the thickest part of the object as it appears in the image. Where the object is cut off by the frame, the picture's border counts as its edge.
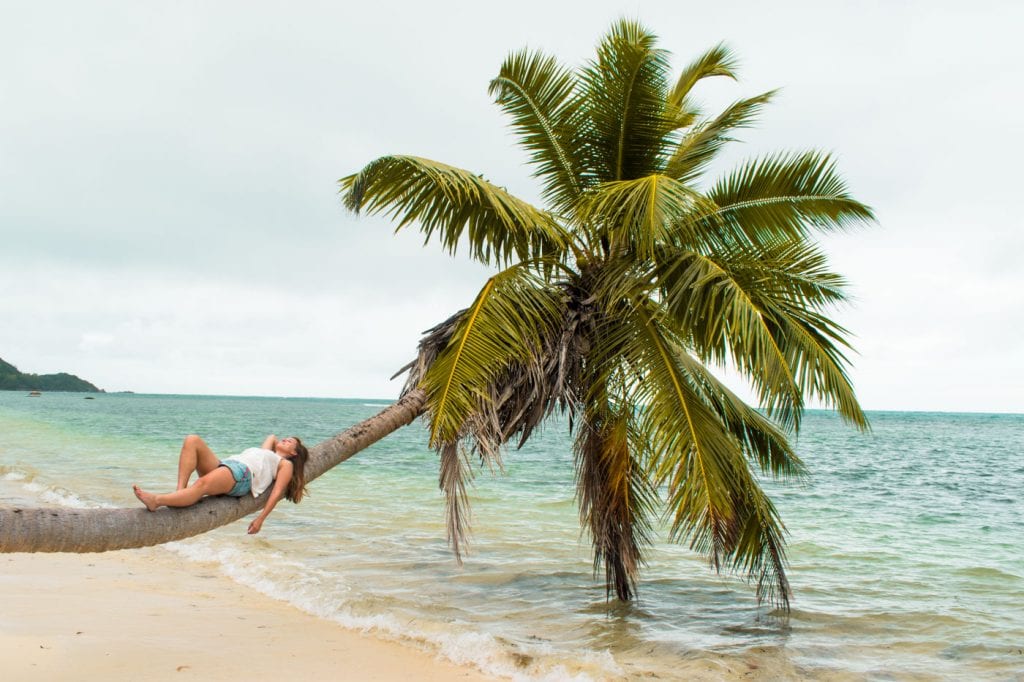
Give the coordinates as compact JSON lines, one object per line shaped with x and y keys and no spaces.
{"x":142,"y":614}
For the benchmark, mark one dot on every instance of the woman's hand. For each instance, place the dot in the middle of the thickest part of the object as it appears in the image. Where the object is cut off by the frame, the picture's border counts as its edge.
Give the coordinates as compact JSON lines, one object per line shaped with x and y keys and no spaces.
{"x":284,"y":475}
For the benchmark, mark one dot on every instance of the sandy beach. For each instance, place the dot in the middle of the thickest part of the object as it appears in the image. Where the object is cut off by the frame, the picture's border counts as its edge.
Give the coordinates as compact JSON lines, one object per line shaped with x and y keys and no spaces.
{"x":144,"y":614}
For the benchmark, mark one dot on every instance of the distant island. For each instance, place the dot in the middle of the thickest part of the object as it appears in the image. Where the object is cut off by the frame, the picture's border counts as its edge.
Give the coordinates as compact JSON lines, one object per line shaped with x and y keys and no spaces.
{"x":13,"y":380}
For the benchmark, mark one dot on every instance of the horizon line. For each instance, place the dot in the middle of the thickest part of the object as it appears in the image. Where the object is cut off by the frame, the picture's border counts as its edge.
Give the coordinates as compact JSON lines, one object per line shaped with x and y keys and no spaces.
{"x":388,"y":401}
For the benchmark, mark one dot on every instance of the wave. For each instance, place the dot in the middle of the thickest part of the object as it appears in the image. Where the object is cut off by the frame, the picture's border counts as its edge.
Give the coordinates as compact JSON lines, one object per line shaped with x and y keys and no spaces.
{"x":987,"y":573}
{"x":324,"y":595}
{"x":37,"y":492}
{"x":9,"y":473}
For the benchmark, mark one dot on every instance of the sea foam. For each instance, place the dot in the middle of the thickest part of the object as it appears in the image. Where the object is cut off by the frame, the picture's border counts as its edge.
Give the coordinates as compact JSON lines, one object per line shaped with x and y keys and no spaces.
{"x":324,"y":595}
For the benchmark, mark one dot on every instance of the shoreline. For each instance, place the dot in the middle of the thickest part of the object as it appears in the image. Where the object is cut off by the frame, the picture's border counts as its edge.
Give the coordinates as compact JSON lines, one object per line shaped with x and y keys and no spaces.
{"x":135,"y":614}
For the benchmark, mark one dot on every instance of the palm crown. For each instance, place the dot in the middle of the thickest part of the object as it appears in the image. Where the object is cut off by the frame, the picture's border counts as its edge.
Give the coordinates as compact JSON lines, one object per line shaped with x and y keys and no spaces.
{"x":613,"y":301}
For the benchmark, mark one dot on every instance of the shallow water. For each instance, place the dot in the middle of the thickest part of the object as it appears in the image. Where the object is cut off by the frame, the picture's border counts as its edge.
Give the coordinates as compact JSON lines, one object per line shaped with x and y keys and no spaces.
{"x":905,"y":545}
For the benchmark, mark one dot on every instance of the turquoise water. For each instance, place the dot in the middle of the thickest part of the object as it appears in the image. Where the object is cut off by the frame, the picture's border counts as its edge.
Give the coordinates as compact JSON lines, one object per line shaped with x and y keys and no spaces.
{"x":906,"y":553}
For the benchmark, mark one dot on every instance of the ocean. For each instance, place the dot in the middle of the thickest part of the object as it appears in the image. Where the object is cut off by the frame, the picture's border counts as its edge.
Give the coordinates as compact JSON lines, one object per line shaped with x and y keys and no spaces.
{"x":906,"y":544}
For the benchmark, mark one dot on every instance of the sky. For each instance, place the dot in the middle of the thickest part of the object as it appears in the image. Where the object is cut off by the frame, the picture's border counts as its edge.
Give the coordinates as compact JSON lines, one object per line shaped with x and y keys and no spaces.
{"x":170,"y":219}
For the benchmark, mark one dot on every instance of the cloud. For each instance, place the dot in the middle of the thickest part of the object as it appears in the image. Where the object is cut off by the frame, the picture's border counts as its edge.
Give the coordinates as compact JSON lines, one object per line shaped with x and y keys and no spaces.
{"x":92,"y":341}
{"x":168,"y":197}
{"x":144,"y":331}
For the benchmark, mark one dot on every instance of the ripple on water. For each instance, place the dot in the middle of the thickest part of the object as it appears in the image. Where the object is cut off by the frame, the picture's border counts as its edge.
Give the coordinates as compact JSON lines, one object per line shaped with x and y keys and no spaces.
{"x":890,"y":579}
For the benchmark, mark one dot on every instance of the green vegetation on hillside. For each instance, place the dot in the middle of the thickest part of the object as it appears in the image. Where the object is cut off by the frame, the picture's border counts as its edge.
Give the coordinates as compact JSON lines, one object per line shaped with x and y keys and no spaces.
{"x":13,"y":380}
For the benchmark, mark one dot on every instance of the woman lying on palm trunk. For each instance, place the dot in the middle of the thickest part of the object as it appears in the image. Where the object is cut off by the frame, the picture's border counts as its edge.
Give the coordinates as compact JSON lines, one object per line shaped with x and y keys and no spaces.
{"x":281,"y":462}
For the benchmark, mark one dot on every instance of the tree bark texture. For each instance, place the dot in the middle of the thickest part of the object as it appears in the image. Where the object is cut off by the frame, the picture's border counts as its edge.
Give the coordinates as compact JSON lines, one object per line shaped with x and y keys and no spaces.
{"x":58,"y":529}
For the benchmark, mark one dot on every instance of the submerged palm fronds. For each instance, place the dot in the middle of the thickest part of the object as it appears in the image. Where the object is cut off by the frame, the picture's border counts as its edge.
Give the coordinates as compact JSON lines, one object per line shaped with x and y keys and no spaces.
{"x":620,"y":296}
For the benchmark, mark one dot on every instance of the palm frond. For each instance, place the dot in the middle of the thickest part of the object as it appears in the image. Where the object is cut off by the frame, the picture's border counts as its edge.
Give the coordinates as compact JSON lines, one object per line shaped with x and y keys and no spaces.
{"x":454,"y":473}
{"x":782,"y":198}
{"x":540,"y":96}
{"x":636,"y":215}
{"x":761,"y":440}
{"x":693,"y":453}
{"x":789,"y":285}
{"x":454,"y":203}
{"x":616,"y":498}
{"x":624,"y":98}
{"x":760,"y":545}
{"x":718,"y":61}
{"x":764,"y":442}
{"x":503,"y":329}
{"x":518,"y":397}
{"x":719,"y":319}
{"x":697,"y":149}
{"x":507,"y":323}
{"x":715,"y":501}
{"x":795,"y":272}
{"x":812,"y":343}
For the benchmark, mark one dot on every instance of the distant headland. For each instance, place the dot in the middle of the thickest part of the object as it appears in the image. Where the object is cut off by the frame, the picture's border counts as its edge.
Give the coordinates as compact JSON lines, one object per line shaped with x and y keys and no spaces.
{"x":13,"y":380}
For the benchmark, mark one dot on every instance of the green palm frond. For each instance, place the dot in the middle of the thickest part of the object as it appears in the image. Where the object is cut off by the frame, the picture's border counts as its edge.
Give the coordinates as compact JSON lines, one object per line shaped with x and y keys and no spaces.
{"x":507,"y":323}
{"x":794,"y":272}
{"x":760,"y":545}
{"x":699,"y":147}
{"x":788,"y":285}
{"x":812,"y":344}
{"x":454,"y":203}
{"x":783,"y":197}
{"x":761,"y":440}
{"x":718,"y":61}
{"x":714,"y":500}
{"x":692,"y":451}
{"x":637,"y":215}
{"x":504,"y":327}
{"x":624,"y":97}
{"x":761,"y":313}
{"x":720,"y":320}
{"x":540,"y":96}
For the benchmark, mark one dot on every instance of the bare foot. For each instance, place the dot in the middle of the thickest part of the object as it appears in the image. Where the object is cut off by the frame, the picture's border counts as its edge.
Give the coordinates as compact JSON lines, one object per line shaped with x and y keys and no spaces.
{"x":148,"y":499}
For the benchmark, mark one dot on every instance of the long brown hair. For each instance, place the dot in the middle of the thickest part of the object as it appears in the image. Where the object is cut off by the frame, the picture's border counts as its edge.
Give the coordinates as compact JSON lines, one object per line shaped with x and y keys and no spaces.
{"x":297,"y":485}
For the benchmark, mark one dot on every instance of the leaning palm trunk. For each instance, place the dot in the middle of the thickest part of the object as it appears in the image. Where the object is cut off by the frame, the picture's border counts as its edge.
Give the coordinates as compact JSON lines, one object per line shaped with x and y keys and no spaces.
{"x":101,"y":530}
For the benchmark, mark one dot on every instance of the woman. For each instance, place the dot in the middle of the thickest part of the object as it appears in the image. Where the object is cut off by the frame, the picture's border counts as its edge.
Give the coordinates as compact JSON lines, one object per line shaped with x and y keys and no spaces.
{"x":281,"y":462}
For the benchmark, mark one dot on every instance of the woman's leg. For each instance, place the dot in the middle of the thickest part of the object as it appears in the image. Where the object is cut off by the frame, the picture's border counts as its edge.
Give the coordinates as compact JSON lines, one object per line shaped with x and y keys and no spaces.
{"x":217,"y":482}
{"x":197,"y":456}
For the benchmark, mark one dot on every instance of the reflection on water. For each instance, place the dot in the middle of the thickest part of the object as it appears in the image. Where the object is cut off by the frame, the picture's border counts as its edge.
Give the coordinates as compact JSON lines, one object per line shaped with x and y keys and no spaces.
{"x":904,"y":546}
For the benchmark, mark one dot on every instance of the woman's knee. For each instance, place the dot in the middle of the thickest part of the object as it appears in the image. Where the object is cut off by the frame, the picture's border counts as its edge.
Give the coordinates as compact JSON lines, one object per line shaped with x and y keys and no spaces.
{"x":193,"y":439}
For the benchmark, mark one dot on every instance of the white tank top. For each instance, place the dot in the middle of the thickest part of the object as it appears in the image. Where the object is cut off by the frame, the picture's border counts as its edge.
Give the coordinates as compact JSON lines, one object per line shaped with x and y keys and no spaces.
{"x":263,"y":465}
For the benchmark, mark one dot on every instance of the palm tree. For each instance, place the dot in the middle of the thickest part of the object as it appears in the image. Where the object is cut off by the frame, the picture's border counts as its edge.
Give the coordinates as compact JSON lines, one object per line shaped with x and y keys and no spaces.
{"x":612,"y":304}
{"x":614,"y":301}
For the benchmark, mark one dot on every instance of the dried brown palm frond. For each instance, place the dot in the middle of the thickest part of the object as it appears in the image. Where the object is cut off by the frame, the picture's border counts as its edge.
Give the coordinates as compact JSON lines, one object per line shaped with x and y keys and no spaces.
{"x":616,"y":499}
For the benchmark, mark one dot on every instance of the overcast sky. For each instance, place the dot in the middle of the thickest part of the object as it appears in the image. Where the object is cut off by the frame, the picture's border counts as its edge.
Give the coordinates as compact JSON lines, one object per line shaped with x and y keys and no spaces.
{"x":169,"y":217}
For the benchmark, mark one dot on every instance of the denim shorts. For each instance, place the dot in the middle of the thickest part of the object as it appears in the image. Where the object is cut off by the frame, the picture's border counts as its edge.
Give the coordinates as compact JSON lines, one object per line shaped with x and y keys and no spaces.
{"x":243,"y":477}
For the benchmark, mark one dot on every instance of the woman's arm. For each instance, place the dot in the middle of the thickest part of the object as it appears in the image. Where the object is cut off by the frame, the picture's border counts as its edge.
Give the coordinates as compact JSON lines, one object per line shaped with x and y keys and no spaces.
{"x":270,"y":442}
{"x":284,"y":476}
